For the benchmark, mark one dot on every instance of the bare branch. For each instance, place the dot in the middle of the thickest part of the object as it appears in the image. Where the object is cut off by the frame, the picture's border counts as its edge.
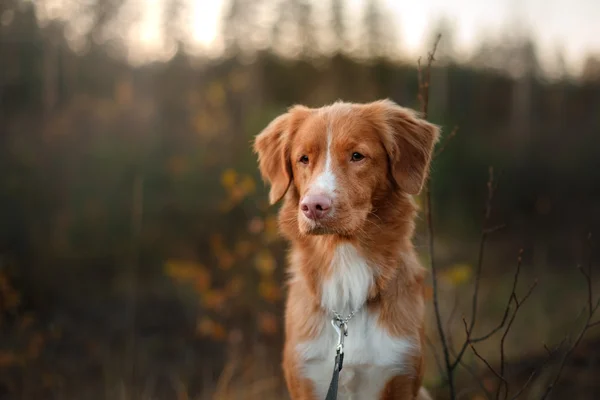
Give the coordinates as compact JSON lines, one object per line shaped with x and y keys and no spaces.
{"x":484,"y":235}
{"x":592,"y":308}
{"x":447,"y":140}
{"x":487,"y":364}
{"x":471,"y":372}
{"x":493,"y":229}
{"x":468,"y":333}
{"x":425,"y":82}
{"x":503,"y":339}
{"x":424,"y":100}
{"x":510,"y":312}
{"x":550,"y":353}
{"x":510,"y":299}
{"x":476,"y":378}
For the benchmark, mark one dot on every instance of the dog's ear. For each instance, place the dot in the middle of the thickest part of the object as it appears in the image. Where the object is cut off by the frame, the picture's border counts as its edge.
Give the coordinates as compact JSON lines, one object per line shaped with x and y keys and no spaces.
{"x":409,"y":141}
{"x":272,"y":146}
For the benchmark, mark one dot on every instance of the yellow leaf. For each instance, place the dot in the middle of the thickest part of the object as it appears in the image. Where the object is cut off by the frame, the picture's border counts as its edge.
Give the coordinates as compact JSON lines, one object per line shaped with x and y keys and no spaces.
{"x":238,"y":80}
{"x":234,"y":286}
{"x":216,"y":243}
{"x":56,"y":333}
{"x":209,"y":328}
{"x":228,"y":178}
{"x":214,"y":299}
{"x":180,"y":270}
{"x":226,"y":205}
{"x":243,"y":248}
{"x":12,"y":300}
{"x":248,"y":185}
{"x":256,"y":225}
{"x":267,"y":323}
{"x":8,"y":359}
{"x":269,"y":291}
{"x":8,"y":295}
{"x":202,"y":281}
{"x":237,"y":193}
{"x":50,"y":380}
{"x":219,"y":332}
{"x":187,"y":271}
{"x":265,"y":262}
{"x":26,"y":321}
{"x":177,"y":166}
{"x":35,"y":346}
{"x":215,"y":94}
{"x":203,"y":122}
{"x":205,"y":326}
{"x":226,"y":260}
{"x":271,"y":228}
{"x":458,"y":273}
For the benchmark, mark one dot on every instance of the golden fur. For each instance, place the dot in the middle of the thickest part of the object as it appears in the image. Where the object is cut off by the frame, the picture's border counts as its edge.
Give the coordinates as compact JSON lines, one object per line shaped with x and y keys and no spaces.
{"x":374,"y":212}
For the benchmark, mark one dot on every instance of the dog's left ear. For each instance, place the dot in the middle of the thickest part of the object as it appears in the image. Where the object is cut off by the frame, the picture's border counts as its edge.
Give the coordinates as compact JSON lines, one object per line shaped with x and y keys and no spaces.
{"x":409,"y":141}
{"x":273,"y":148}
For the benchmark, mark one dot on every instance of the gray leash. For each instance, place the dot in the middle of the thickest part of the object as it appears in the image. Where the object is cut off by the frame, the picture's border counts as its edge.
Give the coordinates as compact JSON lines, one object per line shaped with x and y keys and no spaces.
{"x":340,"y":325}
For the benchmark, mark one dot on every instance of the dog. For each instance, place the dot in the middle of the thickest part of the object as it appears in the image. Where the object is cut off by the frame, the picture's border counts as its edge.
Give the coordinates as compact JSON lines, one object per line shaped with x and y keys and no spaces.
{"x":346,"y":174}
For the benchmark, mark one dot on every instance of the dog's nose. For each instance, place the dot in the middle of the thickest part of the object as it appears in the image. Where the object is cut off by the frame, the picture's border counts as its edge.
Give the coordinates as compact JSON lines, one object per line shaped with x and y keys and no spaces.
{"x":315,"y":206}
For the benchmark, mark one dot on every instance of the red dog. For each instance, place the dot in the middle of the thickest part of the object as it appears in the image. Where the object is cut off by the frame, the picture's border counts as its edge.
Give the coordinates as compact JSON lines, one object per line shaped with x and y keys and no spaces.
{"x":346,"y":173}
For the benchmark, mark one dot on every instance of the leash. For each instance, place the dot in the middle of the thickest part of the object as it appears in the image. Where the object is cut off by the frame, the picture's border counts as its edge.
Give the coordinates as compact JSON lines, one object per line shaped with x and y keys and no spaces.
{"x":340,"y":324}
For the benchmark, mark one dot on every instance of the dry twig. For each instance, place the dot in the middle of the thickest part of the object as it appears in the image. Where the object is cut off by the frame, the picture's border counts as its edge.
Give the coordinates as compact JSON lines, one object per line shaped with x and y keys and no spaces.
{"x":592,"y":308}
{"x":447,"y":140}
{"x":424,"y":100}
{"x":451,"y":358}
{"x":424,"y":79}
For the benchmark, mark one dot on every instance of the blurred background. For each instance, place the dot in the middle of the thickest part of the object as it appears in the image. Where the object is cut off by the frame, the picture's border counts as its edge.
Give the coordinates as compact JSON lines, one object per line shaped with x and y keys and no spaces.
{"x":139,"y":258}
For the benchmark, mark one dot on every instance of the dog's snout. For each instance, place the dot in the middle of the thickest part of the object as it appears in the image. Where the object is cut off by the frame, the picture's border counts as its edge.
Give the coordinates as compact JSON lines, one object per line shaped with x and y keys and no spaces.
{"x":316,"y":206}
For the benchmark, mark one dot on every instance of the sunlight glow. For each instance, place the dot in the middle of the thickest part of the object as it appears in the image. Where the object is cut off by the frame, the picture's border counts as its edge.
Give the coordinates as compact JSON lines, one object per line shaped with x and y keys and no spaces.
{"x":206,"y":15}
{"x":544,"y":20}
{"x":149,"y":30}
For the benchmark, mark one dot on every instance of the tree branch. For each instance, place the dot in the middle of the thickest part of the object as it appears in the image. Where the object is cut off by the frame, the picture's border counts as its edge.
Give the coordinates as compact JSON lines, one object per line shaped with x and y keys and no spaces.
{"x":447,"y":140}
{"x":592,"y":308}
{"x":424,"y":100}
{"x":491,"y":186}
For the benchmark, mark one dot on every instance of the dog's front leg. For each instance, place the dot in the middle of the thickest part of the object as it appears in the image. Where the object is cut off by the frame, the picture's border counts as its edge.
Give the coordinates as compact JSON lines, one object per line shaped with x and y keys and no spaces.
{"x":299,"y":388}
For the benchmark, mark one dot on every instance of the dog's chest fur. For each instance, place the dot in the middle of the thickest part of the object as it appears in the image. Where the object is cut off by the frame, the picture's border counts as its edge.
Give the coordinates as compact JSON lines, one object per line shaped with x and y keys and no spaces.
{"x":371,"y":355}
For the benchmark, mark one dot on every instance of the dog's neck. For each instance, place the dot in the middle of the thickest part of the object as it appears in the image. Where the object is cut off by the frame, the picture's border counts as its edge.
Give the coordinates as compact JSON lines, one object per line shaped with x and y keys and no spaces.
{"x":345,"y":274}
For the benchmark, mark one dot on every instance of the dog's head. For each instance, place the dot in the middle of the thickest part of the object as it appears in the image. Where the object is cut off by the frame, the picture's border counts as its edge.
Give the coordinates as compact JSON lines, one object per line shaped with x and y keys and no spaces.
{"x":336,"y":162}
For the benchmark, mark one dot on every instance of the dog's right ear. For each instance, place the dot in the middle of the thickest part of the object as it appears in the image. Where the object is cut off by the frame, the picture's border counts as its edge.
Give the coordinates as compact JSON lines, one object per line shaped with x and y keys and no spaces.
{"x":273,"y":148}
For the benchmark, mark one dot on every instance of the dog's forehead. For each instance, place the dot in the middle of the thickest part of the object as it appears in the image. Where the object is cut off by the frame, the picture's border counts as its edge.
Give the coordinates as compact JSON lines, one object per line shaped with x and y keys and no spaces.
{"x":336,"y":110}
{"x":337,"y":122}
{"x":336,"y":126}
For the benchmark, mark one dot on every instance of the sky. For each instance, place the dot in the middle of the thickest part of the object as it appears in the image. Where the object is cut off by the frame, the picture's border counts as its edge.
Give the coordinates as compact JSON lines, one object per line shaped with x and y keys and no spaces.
{"x":571,"y":26}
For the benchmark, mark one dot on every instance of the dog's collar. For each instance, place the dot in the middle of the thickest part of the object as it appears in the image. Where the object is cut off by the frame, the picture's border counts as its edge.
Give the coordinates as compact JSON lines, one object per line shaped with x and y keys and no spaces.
{"x":337,"y":317}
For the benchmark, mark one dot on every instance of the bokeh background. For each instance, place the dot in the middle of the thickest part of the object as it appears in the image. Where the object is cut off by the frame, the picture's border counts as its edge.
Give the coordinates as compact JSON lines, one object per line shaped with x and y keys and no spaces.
{"x":139,"y":258}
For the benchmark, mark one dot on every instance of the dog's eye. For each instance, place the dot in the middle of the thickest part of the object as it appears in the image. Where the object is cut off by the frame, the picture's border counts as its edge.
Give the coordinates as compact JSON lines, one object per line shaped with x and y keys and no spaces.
{"x":357,"y":156}
{"x":303,"y":159}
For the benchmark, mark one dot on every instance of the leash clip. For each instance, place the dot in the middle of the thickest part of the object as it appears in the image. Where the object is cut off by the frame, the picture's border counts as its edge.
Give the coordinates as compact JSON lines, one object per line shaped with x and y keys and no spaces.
{"x":341,"y":328}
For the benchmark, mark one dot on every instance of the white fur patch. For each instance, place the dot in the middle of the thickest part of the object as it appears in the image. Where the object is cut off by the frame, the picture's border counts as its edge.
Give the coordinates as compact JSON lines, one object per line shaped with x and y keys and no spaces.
{"x":371,"y":355}
{"x":325,"y":182}
{"x":348,"y":285}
